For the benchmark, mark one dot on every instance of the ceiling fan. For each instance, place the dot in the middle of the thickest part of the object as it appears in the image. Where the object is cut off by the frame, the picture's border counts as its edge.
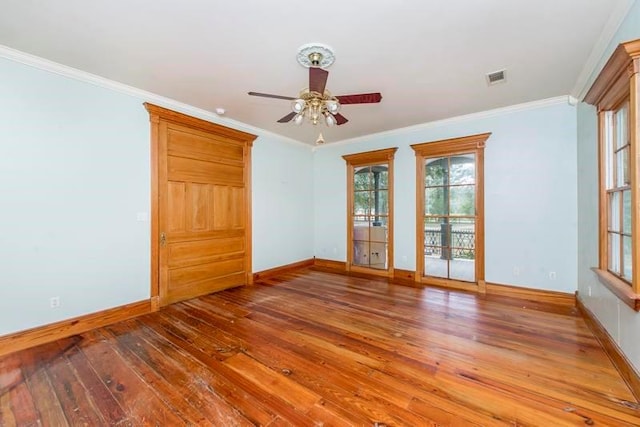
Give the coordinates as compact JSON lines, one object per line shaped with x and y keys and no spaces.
{"x":316,"y":103}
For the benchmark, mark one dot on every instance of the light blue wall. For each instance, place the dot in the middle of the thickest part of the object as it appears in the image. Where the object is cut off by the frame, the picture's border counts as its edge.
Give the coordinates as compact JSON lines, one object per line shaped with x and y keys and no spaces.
{"x":282,"y":200}
{"x":530,"y":194}
{"x":74,"y":174}
{"x":622,"y":323}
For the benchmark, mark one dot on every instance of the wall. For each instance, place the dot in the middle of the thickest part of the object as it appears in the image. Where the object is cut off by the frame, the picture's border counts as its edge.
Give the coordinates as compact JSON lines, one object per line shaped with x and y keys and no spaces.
{"x":74,"y":175}
{"x":622,"y":323}
{"x":530,"y":192}
{"x":282,"y":199}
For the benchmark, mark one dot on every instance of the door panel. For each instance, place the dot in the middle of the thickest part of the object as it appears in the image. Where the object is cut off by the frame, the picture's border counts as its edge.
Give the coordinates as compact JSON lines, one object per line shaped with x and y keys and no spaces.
{"x":201,"y":200}
{"x":450,"y":212}
{"x":370,"y":212}
{"x":450,"y":208}
{"x":215,"y":284}
{"x":185,"y":253}
{"x":193,"y":275}
{"x":176,"y":192}
{"x":184,"y":169}
{"x":198,"y":207}
{"x":201,"y":146}
{"x":203,"y":218}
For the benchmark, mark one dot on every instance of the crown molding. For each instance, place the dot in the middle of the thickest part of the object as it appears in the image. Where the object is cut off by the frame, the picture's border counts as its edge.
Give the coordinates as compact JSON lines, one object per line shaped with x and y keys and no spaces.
{"x":610,"y":29}
{"x":558,"y":100}
{"x":83,"y":76}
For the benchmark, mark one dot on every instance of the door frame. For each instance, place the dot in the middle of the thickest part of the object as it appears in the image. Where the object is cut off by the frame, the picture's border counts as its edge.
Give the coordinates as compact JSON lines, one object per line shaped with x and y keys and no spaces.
{"x":450,"y":147}
{"x":160,"y":118}
{"x":377,"y":157}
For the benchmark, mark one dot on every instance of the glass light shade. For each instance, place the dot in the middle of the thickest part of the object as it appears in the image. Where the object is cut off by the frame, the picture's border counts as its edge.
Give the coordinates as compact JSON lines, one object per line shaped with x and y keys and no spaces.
{"x":314,"y":113}
{"x":298,"y":119}
{"x":330,"y":120}
{"x":332,"y":106}
{"x":298,"y":105}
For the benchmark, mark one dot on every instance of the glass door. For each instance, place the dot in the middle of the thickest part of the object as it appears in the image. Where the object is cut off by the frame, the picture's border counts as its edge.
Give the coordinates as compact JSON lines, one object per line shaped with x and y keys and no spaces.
{"x":371,"y":216}
{"x":370,"y":212}
{"x":449,"y":217}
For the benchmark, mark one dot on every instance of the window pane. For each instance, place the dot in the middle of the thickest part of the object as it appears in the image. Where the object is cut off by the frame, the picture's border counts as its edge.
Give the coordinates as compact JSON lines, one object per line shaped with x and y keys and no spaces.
{"x":361,"y":202}
{"x":435,"y":266}
{"x":379,"y":202}
{"x":628,"y":265}
{"x":433,"y":250}
{"x":463,"y":200}
{"x":626,"y":211}
{"x":614,"y":211}
{"x":378,"y":233}
{"x":380,"y":177}
{"x":463,"y":267}
{"x":463,"y":237}
{"x":360,"y":222}
{"x":361,"y":253}
{"x":361,"y":227}
{"x":622,"y":126}
{"x":435,"y":201}
{"x":463,"y":169}
{"x":432,"y":232}
{"x":608,"y":135}
{"x":622,"y":167}
{"x":362,"y":178}
{"x":436,"y":171}
{"x":378,"y":255}
{"x":614,"y":253}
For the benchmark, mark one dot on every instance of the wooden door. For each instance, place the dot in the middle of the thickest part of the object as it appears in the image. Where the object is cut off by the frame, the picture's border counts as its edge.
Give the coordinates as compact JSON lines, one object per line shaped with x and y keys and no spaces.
{"x":203,"y":235}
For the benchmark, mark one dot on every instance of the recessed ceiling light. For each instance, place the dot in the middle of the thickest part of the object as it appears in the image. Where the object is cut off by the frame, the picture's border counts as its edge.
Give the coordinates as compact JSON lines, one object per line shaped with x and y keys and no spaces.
{"x":220,"y":111}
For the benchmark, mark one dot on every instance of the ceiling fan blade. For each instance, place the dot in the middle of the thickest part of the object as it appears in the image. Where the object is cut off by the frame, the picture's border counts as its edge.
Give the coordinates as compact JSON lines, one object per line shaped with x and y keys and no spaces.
{"x":287,"y":118}
{"x":268,"y":95}
{"x":361,"y":98}
{"x":317,"y":79}
{"x":340,"y":119}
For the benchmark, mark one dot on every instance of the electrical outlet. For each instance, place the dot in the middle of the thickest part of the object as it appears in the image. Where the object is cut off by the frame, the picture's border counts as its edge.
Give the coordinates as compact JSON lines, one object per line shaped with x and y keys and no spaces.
{"x":335,"y":250}
{"x":552,"y":275}
{"x":54,"y":302}
{"x":516,"y":271}
{"x":589,"y":291}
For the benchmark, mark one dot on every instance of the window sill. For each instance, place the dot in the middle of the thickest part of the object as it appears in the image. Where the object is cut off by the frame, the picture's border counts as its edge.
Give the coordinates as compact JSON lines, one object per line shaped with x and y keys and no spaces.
{"x":619,"y":288}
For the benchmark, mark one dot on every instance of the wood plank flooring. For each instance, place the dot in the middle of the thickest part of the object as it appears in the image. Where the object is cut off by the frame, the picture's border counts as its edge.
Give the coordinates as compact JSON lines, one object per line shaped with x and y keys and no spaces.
{"x":312,"y":348}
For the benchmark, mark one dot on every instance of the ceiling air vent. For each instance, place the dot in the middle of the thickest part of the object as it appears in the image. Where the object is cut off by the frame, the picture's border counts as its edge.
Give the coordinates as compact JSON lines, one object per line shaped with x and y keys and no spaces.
{"x":497,"y":77}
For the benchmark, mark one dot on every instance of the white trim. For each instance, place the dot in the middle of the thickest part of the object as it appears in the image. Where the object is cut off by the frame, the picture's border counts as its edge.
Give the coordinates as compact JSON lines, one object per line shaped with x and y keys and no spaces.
{"x":610,"y":29}
{"x":564,"y":99}
{"x":83,"y":76}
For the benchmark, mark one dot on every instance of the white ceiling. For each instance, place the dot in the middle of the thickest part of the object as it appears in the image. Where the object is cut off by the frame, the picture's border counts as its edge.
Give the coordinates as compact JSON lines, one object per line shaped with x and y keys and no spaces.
{"x":428,"y":58}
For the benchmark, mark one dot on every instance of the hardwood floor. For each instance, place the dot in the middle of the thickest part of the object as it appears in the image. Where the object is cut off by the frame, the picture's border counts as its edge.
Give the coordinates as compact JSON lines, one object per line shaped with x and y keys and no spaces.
{"x":316,"y":348}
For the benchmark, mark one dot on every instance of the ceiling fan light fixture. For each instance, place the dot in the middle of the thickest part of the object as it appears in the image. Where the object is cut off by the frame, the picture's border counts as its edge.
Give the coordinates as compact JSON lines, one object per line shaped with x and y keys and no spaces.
{"x":332,"y":106}
{"x":298,"y":105}
{"x":329,"y":119}
{"x":315,"y":103}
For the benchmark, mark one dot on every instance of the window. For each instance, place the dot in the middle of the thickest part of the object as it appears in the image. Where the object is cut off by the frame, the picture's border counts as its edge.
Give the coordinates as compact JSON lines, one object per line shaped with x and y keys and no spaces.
{"x":615,"y":94}
{"x":370,"y":211}
{"x":450,"y":212}
{"x":618,"y":192}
